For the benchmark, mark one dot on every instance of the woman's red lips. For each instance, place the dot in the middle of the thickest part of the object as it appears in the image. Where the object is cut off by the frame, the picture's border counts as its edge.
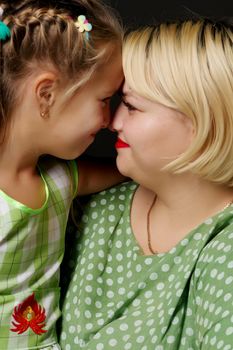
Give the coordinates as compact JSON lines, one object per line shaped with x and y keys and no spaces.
{"x":121,"y":144}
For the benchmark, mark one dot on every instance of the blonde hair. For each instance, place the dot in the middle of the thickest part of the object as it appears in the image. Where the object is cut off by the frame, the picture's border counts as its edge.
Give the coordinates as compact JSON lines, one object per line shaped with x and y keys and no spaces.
{"x":43,"y":33}
{"x":188,"y":66}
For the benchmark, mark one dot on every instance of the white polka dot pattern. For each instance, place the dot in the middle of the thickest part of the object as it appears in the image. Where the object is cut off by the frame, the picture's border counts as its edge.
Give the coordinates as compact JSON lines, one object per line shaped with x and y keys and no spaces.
{"x":120,"y":299}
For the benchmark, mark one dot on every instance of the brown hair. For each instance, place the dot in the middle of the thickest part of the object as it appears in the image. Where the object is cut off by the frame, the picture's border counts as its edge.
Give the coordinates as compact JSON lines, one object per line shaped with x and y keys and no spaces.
{"x":44,"y":33}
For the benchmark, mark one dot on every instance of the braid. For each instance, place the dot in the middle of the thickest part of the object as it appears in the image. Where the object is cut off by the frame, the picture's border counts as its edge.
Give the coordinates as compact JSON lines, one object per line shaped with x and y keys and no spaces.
{"x":43,"y":33}
{"x":46,"y":35}
{"x":73,"y":7}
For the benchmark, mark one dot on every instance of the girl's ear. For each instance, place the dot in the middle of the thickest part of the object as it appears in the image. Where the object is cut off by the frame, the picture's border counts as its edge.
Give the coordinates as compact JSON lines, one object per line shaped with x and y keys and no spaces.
{"x":45,"y":90}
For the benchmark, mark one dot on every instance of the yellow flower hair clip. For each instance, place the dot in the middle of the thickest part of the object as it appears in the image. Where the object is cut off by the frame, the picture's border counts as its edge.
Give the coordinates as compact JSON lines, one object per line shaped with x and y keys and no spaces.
{"x":83,"y":25}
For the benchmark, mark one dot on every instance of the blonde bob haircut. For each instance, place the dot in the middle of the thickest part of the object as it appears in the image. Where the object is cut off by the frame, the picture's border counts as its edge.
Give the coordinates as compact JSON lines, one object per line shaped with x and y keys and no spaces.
{"x":188,"y":66}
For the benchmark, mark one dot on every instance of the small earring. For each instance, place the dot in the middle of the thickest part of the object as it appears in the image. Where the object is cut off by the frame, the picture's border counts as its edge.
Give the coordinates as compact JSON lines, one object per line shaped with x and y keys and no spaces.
{"x":44,"y":115}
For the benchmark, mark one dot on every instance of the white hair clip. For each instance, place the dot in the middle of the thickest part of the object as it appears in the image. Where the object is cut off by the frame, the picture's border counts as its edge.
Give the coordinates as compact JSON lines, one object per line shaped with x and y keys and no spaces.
{"x":83,"y":25}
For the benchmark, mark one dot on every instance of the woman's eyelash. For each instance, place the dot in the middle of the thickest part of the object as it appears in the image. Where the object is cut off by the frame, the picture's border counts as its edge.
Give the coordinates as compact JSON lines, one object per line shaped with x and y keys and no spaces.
{"x":128,"y":105}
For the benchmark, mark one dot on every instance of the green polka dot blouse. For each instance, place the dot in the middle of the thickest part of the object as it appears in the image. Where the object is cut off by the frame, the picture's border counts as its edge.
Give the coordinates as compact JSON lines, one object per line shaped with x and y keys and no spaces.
{"x":120,"y":299}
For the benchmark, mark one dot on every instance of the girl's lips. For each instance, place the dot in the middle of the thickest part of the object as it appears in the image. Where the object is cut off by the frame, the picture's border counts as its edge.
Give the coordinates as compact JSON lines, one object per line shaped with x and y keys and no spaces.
{"x":121,"y":144}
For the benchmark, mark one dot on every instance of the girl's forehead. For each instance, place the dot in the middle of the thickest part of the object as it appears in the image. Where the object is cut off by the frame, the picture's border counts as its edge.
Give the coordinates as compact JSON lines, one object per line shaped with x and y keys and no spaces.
{"x":110,"y":74}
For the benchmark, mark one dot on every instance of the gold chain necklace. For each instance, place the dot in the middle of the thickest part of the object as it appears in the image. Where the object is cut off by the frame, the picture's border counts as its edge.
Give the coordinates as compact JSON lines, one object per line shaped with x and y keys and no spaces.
{"x":148,"y":227}
{"x":148,"y":224}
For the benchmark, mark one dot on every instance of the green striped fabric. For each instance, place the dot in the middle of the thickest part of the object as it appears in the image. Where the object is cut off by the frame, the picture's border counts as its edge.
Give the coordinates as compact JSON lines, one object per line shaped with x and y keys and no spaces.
{"x":31,"y":250}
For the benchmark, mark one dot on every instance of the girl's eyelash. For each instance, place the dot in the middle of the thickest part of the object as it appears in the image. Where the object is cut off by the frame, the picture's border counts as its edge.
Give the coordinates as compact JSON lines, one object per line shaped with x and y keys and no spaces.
{"x":106,"y":99}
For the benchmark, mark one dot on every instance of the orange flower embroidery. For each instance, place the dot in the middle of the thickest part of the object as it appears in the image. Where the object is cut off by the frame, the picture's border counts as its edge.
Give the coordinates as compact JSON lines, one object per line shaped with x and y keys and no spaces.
{"x":29,"y":314}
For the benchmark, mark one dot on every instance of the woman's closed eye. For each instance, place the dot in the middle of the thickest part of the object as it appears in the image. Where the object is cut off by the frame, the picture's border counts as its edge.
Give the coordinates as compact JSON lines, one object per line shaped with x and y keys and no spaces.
{"x":128,"y":105}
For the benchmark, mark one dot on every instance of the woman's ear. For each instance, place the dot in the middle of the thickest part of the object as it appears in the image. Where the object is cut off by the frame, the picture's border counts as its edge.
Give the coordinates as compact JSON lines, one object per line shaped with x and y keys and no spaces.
{"x":45,"y":90}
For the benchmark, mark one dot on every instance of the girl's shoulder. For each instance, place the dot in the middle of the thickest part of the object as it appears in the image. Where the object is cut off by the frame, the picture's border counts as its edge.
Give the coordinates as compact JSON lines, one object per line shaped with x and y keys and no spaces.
{"x":51,"y":164}
{"x":59,"y":173}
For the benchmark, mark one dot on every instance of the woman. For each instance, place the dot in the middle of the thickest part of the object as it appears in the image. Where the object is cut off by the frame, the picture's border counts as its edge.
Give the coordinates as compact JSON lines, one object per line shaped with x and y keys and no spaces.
{"x":153,"y":263}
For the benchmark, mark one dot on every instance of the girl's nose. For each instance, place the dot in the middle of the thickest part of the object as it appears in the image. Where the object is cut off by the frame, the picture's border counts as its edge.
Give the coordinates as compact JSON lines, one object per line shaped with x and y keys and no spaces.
{"x":106,"y":120}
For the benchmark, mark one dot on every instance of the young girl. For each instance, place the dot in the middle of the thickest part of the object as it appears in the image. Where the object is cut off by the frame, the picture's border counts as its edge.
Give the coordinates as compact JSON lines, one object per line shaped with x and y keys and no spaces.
{"x":60,"y":64}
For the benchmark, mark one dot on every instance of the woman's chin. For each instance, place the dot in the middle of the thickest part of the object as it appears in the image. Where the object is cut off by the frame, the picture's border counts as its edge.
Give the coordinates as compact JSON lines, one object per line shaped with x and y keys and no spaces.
{"x":122,"y":167}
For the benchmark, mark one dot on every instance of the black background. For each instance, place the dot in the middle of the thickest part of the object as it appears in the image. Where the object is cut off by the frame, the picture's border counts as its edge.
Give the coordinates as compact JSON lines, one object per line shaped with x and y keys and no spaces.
{"x":136,"y":13}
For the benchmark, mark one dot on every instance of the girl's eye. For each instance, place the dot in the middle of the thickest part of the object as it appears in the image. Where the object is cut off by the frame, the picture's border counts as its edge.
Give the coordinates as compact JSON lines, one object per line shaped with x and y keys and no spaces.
{"x":105,"y":101}
{"x":128,"y":105}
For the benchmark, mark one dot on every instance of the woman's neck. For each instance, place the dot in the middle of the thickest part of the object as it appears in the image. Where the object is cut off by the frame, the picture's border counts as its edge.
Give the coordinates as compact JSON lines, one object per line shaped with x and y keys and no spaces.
{"x":180,"y":206}
{"x":185,"y":192}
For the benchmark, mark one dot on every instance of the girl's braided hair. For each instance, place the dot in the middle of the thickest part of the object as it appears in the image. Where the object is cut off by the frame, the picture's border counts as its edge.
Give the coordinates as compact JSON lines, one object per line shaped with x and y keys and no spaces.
{"x":43,"y":33}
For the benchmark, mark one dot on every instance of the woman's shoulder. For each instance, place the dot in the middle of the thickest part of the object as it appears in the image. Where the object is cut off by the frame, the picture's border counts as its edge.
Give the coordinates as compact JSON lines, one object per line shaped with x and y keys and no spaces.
{"x":212,"y":291}
{"x":221,"y":236}
{"x":215,"y":261}
{"x":121,"y":193}
{"x":115,"y":200}
{"x":122,"y":188}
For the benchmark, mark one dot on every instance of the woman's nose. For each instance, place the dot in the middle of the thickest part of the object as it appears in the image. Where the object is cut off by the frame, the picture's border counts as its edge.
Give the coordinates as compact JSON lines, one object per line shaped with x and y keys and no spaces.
{"x":116,"y":122}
